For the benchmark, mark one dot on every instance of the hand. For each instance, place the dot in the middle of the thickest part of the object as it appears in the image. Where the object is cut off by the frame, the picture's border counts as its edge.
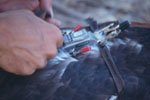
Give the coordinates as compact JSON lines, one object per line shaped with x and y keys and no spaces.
{"x":26,"y":42}
{"x":7,"y":5}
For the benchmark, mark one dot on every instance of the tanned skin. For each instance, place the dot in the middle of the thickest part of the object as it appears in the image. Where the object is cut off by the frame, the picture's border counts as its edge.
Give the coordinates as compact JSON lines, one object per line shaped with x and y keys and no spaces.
{"x":26,"y":39}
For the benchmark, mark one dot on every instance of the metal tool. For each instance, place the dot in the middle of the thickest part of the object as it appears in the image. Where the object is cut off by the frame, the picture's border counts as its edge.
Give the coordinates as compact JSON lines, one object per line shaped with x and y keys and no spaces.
{"x":81,"y":37}
{"x":80,"y":41}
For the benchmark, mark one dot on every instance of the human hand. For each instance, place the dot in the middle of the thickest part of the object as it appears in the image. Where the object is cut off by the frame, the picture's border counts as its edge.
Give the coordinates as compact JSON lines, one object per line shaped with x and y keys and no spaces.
{"x":7,"y":5}
{"x":33,"y":5}
{"x":26,"y":42}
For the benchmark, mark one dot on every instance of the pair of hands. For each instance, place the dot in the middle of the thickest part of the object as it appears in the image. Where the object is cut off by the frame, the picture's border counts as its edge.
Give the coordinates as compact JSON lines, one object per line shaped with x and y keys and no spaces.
{"x":26,"y":41}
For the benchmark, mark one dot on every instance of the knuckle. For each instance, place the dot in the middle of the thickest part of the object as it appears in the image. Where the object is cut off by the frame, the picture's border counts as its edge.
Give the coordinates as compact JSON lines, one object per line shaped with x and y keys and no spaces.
{"x":52,"y":53}
{"x":55,"y":34}
{"x":34,"y":4}
{"x":42,"y":62}
{"x":58,"y":36}
{"x":27,"y":71}
{"x":60,"y":42}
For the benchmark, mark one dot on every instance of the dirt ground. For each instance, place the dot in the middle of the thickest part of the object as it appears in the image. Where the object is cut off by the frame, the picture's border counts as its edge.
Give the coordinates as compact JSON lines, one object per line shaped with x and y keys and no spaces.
{"x":73,"y":12}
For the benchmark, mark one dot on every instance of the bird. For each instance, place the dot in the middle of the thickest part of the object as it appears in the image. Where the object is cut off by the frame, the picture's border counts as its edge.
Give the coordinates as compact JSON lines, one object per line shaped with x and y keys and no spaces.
{"x":87,"y":77}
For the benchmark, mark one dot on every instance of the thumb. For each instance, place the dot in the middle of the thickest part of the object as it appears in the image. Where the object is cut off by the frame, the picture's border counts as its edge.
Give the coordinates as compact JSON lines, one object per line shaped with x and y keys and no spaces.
{"x":47,"y":6}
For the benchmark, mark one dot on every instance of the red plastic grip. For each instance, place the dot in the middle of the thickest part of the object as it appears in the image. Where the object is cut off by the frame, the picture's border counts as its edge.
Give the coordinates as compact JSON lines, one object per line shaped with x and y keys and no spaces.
{"x":77,"y":28}
{"x":85,"y":49}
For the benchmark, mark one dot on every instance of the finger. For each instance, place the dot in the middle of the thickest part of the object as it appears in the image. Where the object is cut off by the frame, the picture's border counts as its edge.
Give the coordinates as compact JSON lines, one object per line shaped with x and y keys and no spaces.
{"x":51,"y":51}
{"x":25,"y":71}
{"x":60,"y":41}
{"x":56,"y":34}
{"x":53,"y":21}
{"x":41,"y":62}
{"x":47,"y":5}
{"x":31,"y":4}
{"x":19,"y":4}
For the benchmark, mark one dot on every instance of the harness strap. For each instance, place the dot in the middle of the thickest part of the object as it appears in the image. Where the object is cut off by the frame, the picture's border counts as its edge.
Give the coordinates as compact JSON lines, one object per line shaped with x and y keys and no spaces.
{"x":142,"y":25}
{"x":112,"y":69}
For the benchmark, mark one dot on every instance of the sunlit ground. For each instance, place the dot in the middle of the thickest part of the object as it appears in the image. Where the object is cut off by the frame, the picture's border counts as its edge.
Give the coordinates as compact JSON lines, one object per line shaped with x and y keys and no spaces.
{"x":73,"y":12}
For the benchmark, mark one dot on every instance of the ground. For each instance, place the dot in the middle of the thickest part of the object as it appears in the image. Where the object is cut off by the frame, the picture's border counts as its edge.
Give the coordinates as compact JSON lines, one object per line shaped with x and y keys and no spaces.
{"x":73,"y":12}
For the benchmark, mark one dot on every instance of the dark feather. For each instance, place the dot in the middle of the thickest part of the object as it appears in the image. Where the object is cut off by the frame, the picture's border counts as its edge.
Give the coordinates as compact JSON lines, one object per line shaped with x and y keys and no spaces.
{"x":89,"y":78}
